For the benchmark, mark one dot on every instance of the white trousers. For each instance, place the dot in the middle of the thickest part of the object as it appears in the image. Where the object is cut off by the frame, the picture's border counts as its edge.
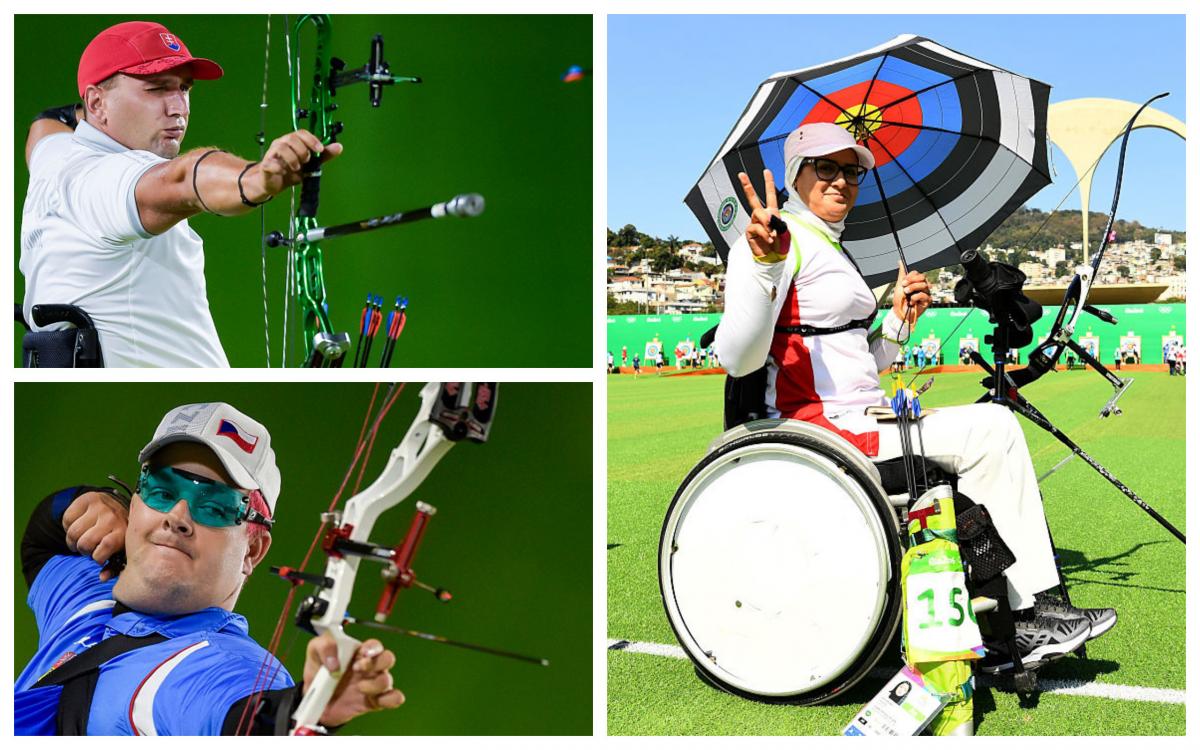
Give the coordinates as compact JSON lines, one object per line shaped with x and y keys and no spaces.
{"x":983,"y":445}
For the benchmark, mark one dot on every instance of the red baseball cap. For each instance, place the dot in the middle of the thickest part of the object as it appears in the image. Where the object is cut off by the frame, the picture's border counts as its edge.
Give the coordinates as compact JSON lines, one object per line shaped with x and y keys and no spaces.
{"x":139,"y":48}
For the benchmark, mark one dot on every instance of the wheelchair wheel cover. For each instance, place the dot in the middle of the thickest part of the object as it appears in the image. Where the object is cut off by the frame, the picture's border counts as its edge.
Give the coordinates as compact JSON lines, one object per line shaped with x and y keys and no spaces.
{"x":756,"y":581}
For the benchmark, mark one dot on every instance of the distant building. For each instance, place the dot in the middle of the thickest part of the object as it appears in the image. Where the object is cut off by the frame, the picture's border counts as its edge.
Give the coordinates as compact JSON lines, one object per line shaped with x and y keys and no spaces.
{"x":1033,"y":271}
{"x":1176,"y":287}
{"x":1162,"y":239}
{"x":694,"y":253}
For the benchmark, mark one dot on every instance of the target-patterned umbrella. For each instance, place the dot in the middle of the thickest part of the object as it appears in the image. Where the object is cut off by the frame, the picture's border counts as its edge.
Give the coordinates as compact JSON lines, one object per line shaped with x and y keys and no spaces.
{"x":959,"y":144}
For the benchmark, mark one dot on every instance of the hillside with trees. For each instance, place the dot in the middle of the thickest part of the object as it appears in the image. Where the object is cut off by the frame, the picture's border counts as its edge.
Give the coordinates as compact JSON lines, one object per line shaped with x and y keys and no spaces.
{"x":1020,"y":233}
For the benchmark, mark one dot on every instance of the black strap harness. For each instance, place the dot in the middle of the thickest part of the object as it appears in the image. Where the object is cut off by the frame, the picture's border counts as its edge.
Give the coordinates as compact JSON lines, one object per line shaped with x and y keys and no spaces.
{"x":864,"y":323}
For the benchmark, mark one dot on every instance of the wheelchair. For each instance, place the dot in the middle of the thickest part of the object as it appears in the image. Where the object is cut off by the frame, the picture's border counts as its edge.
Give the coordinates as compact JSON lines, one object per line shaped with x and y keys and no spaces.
{"x":793,"y":596}
{"x":78,"y":346}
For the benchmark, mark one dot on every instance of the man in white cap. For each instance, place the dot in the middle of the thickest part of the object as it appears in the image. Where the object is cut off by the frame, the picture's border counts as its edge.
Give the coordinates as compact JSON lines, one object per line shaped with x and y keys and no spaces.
{"x":176,"y":658}
{"x":105,"y":226}
{"x":795,"y":330}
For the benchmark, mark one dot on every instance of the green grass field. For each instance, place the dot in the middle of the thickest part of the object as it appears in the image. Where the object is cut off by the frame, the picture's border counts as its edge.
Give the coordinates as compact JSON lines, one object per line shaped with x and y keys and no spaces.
{"x":1113,"y":554}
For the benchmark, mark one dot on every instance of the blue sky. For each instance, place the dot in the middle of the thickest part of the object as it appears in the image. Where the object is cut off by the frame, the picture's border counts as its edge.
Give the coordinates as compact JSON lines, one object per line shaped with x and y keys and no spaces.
{"x":677,"y":84}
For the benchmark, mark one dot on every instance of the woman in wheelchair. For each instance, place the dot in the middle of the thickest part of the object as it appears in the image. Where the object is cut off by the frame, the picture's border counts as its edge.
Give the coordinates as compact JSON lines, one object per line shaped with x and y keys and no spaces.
{"x":797,"y":314}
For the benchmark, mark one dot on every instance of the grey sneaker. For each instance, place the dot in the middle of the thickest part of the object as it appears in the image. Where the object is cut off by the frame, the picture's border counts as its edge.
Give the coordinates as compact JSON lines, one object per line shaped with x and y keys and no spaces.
{"x":1040,"y":640}
{"x":1102,"y":620}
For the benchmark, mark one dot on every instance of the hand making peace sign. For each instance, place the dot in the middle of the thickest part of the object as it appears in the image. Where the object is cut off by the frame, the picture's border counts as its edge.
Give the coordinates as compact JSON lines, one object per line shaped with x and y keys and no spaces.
{"x":763,"y":239}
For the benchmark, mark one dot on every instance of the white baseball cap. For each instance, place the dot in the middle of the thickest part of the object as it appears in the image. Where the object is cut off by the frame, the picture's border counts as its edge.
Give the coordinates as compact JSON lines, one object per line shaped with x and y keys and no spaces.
{"x":820,"y":139}
{"x":241,"y":444}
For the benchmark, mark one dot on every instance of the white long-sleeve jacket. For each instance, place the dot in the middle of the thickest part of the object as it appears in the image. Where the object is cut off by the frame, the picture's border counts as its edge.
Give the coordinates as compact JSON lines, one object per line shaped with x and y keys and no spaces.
{"x":813,"y":378}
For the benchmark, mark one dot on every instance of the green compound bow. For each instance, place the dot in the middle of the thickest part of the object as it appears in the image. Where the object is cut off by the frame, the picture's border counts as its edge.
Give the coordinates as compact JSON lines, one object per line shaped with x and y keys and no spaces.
{"x":324,"y":346}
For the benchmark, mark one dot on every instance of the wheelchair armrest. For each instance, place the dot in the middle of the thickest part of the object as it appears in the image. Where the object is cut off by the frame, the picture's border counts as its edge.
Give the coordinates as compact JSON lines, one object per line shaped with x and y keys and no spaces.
{"x":44,"y":315}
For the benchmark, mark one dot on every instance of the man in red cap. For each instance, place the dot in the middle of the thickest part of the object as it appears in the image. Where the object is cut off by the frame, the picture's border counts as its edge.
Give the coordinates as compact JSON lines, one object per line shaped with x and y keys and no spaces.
{"x":105,"y":219}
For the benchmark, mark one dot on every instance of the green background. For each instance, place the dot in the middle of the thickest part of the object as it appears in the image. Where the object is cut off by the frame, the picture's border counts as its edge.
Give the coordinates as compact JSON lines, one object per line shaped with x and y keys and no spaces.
{"x":492,"y":117}
{"x":1151,"y":322}
{"x":512,"y":538}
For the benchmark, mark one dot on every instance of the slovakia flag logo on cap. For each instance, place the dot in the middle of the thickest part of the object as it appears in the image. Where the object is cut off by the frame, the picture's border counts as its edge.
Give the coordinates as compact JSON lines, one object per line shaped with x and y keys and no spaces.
{"x":170,"y":42}
{"x":231,"y":431}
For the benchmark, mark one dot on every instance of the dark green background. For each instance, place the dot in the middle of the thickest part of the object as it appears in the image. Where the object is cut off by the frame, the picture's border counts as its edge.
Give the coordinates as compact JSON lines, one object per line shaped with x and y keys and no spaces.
{"x":511,"y":540}
{"x":509,"y":288}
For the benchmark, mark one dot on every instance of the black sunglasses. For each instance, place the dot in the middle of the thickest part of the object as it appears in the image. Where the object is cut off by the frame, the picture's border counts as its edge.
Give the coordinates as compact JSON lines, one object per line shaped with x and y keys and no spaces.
{"x":827,"y":170}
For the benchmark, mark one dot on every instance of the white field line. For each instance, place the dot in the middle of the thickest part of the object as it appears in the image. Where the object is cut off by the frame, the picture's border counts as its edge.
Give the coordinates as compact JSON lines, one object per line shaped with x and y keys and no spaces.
{"x":1086,"y":688}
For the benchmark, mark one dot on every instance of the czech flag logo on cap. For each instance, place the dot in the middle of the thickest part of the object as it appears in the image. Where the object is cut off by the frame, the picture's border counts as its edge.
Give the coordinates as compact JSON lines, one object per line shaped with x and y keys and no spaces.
{"x":230,"y":430}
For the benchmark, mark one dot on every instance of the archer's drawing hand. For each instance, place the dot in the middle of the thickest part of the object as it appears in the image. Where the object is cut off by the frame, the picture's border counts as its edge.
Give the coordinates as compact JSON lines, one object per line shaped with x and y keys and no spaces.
{"x":911,"y":297}
{"x":282,"y":166}
{"x":365,"y":687}
{"x":762,"y":238}
{"x":95,"y":524}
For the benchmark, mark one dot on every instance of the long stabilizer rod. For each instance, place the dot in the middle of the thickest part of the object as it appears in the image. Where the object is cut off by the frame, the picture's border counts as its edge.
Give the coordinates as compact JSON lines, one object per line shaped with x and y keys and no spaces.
{"x":465,"y":205}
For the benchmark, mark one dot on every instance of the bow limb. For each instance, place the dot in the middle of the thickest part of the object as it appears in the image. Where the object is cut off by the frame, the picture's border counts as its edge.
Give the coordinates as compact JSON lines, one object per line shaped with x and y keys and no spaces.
{"x":1112,"y":212}
{"x":321,"y":343}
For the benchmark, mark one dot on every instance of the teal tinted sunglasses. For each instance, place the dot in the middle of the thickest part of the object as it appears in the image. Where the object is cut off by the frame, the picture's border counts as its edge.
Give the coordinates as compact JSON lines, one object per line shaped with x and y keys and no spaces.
{"x":210,"y":503}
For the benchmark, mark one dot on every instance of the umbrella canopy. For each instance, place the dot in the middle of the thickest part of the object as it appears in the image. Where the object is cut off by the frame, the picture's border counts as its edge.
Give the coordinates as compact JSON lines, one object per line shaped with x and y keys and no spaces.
{"x":959,"y":145}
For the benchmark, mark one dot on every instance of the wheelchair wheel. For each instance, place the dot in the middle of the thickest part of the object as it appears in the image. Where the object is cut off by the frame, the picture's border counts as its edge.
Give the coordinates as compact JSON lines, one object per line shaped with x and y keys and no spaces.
{"x":779,"y":564}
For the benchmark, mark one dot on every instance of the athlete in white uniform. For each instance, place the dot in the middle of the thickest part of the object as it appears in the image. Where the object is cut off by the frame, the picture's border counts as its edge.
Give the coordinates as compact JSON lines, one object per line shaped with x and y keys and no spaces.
{"x":777,"y":283}
{"x":105,"y":220}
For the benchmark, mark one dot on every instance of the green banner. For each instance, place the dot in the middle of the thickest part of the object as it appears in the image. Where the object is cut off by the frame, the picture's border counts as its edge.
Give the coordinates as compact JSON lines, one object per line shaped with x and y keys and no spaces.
{"x":1144,"y":328}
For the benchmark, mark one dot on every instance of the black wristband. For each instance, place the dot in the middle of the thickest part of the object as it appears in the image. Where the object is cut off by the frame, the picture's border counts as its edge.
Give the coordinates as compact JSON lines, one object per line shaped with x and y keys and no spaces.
{"x":64,"y":114}
{"x":195,"y":170}
{"x":246,"y":201}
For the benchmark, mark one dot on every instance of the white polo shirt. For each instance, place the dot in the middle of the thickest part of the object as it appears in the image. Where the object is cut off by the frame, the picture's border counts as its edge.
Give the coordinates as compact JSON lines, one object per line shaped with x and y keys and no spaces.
{"x":83,"y":244}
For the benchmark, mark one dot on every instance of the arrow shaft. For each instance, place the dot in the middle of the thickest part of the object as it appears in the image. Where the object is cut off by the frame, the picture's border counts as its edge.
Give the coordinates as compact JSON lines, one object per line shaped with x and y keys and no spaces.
{"x":442,"y":639}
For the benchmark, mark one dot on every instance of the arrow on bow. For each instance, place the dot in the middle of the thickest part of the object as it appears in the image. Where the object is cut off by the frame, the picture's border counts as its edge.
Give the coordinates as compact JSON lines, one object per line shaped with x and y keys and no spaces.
{"x":449,"y":413}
